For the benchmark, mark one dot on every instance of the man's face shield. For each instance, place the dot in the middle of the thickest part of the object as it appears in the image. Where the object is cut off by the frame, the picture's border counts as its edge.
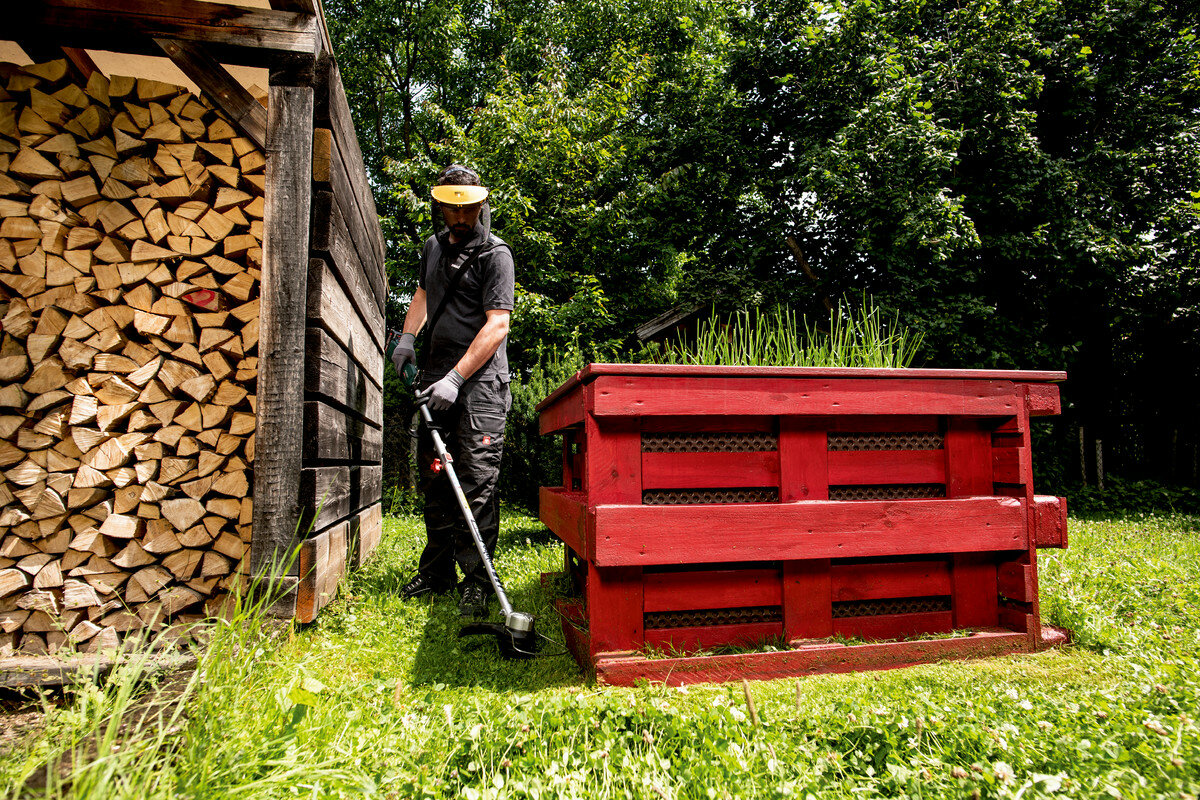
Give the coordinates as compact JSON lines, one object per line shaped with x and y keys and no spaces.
{"x":462,"y":207}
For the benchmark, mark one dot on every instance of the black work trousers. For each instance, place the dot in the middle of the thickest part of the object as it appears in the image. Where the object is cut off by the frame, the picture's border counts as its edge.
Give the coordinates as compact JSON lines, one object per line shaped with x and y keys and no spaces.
{"x":473,"y":432}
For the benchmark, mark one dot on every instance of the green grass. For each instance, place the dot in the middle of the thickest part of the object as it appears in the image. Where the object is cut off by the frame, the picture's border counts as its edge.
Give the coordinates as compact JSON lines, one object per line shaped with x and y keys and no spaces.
{"x":859,"y":335}
{"x":379,"y":698}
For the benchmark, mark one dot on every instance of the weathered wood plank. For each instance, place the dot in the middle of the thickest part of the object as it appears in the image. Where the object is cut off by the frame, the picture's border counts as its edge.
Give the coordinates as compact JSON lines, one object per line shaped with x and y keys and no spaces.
{"x":331,"y":435}
{"x":341,"y":122}
{"x":362,"y":228}
{"x":366,"y":531}
{"x":322,"y":563}
{"x":332,"y":373}
{"x":219,"y":86}
{"x":242,"y":35}
{"x":645,"y":535}
{"x":329,"y":308}
{"x":278,"y":437}
{"x":333,"y":493}
{"x":331,"y":238}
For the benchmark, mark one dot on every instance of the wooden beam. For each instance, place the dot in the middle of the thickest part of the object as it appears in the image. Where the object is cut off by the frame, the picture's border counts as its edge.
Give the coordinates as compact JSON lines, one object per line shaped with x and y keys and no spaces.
{"x":281,"y":346}
{"x":219,"y":86}
{"x":250,"y":36}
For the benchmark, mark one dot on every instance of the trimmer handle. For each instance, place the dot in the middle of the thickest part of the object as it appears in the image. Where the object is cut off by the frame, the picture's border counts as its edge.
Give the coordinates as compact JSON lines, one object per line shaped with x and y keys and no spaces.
{"x":409,"y":375}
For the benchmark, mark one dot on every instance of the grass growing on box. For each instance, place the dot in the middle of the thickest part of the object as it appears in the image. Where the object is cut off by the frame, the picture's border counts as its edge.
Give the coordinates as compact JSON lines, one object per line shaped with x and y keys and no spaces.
{"x":380,"y":698}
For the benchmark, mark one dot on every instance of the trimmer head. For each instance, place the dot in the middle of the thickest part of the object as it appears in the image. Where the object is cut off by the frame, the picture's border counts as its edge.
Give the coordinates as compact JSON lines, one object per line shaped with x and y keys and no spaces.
{"x":516,"y":637}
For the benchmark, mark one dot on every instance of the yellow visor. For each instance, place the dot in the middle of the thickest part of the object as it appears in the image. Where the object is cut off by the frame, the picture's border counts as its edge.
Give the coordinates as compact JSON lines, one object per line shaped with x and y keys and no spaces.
{"x":460,"y":195}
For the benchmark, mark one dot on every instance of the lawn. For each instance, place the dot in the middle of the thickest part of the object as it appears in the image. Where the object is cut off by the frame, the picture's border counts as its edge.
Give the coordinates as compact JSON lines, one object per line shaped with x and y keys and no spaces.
{"x":381,"y":698}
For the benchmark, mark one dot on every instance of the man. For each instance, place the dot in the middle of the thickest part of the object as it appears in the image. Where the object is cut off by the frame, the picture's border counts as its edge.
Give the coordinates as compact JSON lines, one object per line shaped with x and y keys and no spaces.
{"x":466,"y":288}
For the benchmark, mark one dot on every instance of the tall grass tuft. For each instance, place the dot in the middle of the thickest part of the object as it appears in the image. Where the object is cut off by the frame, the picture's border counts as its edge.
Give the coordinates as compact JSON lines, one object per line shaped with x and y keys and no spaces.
{"x":860,"y":335}
{"x":221,"y":728}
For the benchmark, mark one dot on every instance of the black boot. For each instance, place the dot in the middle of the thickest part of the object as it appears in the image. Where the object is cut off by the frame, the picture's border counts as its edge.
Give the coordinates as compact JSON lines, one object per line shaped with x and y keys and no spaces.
{"x":420,"y":586}
{"x":473,"y":604}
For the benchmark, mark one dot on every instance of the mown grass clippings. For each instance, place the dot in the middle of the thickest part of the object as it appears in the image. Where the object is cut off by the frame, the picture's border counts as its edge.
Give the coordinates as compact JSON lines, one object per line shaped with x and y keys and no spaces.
{"x":379,"y":698}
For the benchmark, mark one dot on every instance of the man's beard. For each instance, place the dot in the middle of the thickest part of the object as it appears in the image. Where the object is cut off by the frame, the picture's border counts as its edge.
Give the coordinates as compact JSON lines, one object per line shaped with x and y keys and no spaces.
{"x":462,"y":230}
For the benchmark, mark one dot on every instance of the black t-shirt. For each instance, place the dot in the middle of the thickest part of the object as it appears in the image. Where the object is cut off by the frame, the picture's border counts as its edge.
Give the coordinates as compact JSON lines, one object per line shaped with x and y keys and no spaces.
{"x":487,"y":285}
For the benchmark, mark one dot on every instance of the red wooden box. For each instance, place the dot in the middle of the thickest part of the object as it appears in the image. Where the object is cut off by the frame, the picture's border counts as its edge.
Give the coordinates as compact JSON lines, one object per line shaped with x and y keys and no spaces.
{"x":814,"y":509}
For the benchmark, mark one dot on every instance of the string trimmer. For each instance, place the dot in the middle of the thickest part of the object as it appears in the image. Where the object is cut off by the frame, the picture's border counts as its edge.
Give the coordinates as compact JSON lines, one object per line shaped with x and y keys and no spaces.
{"x":516,"y":636}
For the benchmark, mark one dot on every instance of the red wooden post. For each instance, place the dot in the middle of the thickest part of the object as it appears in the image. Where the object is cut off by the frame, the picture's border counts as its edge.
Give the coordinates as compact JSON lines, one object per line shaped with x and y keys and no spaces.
{"x":975,"y":602}
{"x":613,"y":476}
{"x":614,"y":608}
{"x":968,"y":458}
{"x":803,"y":459}
{"x":807,"y":599}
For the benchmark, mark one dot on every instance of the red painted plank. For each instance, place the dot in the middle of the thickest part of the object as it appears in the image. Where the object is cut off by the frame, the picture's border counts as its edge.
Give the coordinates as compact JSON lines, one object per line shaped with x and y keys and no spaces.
{"x":718,"y":424}
{"x":625,"y":670}
{"x":885,"y":423}
{"x":690,"y":534}
{"x":1006,"y":464}
{"x":565,"y":411}
{"x":1017,"y":620}
{"x":709,"y":470}
{"x":807,"y":613}
{"x":894,"y":626}
{"x":613,"y":468}
{"x":873,"y":467}
{"x":565,"y":513}
{"x":653,"y":396}
{"x":975,"y":600}
{"x":1014,"y":580}
{"x":1051,"y":528}
{"x":682,"y":639}
{"x":882,"y":581}
{"x":614,"y":608}
{"x":968,"y":458}
{"x":568,"y":461}
{"x":803,"y":459}
{"x":732,"y":588}
{"x":592,"y":371}
{"x":1044,"y":399}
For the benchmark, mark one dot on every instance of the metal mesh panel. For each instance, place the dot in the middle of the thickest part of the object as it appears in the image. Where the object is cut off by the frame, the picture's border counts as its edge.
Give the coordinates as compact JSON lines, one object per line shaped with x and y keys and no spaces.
{"x":885,"y":441}
{"x":878,"y":608}
{"x":678,"y":497}
{"x":710,"y":617}
{"x":915,"y":491}
{"x":708,"y":442}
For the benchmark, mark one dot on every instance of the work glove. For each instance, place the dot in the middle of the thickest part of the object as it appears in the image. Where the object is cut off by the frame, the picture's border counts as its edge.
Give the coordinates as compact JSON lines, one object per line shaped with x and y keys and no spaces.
{"x":442,"y":394}
{"x":405,"y":352}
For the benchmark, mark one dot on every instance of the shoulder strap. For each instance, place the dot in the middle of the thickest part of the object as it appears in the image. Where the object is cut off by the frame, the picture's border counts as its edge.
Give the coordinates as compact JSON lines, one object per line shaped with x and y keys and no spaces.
{"x":450,"y":289}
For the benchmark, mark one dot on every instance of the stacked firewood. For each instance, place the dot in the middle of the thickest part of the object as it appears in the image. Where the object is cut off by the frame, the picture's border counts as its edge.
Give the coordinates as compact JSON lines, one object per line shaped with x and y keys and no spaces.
{"x":130,"y":251}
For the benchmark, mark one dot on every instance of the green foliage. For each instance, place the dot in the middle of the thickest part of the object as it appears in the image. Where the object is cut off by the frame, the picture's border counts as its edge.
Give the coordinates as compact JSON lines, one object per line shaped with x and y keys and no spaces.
{"x":1126,"y":496}
{"x":858,"y":336}
{"x":380,"y":698}
{"x":531,"y":460}
{"x":1015,"y":179}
